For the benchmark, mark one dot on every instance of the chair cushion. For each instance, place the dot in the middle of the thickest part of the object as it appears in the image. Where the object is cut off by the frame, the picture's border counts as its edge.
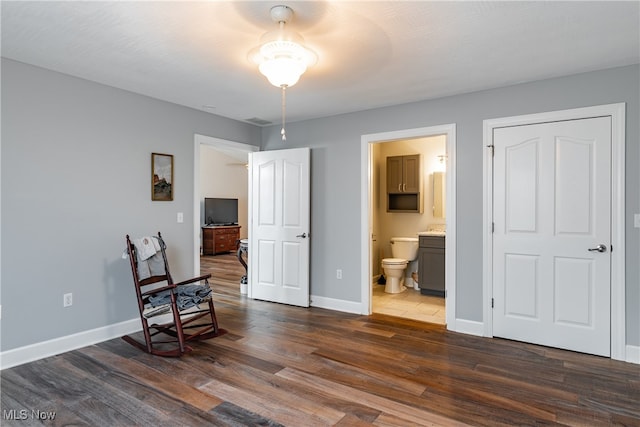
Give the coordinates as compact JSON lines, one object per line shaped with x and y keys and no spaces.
{"x":156,"y":311}
{"x":150,"y":311}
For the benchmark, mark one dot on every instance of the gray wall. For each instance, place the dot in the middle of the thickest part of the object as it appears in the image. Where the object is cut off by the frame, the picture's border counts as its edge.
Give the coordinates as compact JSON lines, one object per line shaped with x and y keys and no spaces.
{"x":75,"y":178}
{"x":336,"y":175}
{"x":76,"y":159}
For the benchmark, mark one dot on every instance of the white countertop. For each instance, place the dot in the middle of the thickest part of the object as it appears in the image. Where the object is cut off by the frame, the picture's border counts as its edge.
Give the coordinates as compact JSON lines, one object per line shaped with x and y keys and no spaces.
{"x":432,"y":233}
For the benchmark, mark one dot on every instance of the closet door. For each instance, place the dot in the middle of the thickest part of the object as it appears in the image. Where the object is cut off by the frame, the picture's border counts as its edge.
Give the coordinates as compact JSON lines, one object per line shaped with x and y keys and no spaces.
{"x":552,"y":235}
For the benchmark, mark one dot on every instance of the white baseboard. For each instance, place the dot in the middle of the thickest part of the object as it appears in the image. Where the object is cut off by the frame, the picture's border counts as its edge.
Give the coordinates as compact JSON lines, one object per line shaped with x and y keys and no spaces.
{"x":469,"y":327}
{"x":336,"y":304}
{"x":32,"y":352}
{"x":633,"y":354}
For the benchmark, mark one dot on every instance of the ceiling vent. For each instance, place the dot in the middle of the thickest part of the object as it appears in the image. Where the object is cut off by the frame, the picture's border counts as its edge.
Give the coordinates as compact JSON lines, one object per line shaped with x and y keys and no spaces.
{"x":259,"y":122}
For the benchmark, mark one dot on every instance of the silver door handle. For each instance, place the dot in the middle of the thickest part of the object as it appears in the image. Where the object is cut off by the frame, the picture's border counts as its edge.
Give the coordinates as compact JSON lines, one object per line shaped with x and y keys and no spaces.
{"x":599,"y":248}
{"x":303,"y":235}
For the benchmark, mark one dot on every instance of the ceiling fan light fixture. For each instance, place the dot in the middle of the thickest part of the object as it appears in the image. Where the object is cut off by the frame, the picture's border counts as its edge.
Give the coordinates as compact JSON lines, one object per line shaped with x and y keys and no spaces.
{"x":281,"y":56}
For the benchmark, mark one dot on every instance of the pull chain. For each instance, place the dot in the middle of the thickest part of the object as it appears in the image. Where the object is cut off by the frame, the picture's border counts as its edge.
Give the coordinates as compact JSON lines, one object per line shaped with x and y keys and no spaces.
{"x":284,"y":110}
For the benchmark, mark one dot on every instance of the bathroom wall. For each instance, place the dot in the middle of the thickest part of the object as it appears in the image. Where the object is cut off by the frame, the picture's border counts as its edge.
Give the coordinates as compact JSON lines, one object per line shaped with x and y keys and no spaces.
{"x":392,"y":224}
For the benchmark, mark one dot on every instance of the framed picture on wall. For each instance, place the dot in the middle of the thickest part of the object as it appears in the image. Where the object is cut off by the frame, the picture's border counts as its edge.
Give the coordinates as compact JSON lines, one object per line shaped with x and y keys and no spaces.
{"x":161,"y":177}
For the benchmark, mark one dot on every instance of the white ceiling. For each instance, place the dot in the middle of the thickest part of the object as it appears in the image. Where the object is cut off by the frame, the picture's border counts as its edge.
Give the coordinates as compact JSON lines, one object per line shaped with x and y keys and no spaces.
{"x":371,"y":54}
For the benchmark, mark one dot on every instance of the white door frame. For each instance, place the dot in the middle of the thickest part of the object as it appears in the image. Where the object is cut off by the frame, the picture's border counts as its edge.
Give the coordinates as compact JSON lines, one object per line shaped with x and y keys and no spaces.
{"x":224,"y":146}
{"x":366,"y":215}
{"x":617,"y":113}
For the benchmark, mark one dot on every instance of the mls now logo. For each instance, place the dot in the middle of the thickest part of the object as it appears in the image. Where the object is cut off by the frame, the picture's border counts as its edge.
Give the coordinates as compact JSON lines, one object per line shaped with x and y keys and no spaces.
{"x":23,"y":414}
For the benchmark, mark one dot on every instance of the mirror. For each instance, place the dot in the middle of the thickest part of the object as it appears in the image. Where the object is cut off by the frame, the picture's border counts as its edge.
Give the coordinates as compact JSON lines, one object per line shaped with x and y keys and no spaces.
{"x":439,"y":195}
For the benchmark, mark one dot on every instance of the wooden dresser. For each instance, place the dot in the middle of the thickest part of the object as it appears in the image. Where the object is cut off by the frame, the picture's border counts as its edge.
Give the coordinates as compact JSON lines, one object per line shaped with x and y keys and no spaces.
{"x":220,"y":239}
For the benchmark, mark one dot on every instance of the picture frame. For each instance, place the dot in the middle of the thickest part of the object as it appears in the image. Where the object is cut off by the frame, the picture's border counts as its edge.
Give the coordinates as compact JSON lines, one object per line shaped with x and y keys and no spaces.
{"x":161,"y":177}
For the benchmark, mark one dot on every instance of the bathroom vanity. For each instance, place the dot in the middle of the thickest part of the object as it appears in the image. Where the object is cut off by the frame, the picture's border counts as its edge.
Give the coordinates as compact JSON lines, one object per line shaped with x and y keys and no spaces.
{"x":431,"y":263}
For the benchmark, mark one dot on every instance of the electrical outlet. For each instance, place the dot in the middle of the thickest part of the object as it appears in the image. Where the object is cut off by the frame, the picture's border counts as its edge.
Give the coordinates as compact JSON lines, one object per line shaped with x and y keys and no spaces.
{"x":636,"y":220}
{"x":67,"y":300}
{"x":338,"y":274}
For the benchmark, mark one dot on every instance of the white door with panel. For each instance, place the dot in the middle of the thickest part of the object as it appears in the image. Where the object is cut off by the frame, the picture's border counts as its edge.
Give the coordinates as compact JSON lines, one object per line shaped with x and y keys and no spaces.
{"x":279,"y":204}
{"x":552,"y":234}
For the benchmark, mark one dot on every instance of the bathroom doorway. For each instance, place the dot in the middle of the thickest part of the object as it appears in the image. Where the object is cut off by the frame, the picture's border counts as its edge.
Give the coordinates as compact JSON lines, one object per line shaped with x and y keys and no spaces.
{"x":432,"y":209}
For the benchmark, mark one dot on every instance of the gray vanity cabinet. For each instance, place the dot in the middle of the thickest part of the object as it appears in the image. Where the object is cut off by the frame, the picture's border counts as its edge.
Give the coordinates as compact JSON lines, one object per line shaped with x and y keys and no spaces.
{"x":431,"y":265}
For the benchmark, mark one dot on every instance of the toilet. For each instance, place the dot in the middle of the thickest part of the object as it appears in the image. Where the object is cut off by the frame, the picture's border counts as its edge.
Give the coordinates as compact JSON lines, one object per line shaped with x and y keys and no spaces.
{"x":403,"y":250}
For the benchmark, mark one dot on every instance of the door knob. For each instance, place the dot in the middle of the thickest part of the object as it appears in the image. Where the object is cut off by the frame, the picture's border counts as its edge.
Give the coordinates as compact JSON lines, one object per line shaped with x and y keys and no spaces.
{"x":303,"y":235}
{"x":599,"y":248}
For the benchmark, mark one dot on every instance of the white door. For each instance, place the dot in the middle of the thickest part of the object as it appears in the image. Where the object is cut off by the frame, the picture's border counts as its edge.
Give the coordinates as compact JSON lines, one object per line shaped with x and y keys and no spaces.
{"x":279,"y":226}
{"x":552,"y":235}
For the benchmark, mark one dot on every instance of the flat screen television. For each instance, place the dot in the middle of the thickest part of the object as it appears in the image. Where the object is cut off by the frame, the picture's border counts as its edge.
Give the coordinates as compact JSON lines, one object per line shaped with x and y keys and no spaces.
{"x":218,"y":211}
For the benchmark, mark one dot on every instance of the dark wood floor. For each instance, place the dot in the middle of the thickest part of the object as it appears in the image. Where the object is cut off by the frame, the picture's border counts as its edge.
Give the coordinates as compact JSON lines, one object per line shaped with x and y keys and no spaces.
{"x":282,"y":365}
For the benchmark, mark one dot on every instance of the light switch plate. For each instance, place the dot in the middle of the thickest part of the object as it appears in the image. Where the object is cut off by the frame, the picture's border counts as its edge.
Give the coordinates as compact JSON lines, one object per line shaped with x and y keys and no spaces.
{"x":636,"y":220}
{"x":180,"y":217}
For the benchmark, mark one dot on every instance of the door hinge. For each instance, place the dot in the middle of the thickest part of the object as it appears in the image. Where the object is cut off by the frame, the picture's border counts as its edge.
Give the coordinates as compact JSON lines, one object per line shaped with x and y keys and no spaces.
{"x":491,"y":302}
{"x":611,"y":248}
{"x":493,"y":227}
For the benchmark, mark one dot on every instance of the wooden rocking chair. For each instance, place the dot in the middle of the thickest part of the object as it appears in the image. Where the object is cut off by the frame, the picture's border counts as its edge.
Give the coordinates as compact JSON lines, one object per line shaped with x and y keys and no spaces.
{"x":184,"y":310}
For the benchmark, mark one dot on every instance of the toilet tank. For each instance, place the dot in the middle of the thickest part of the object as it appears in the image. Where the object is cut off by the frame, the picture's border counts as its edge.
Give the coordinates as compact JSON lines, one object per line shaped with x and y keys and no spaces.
{"x":404,"y":247}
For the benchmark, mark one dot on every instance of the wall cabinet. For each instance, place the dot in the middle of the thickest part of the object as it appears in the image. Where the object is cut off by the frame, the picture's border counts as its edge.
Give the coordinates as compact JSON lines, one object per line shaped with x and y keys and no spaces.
{"x":220,"y":239}
{"x":403,"y":183}
{"x":431,"y":276}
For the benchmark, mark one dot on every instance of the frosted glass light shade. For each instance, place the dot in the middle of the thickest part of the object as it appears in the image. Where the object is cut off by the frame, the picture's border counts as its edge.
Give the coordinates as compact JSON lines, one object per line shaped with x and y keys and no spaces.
{"x":281,"y":57}
{"x":282,"y":71}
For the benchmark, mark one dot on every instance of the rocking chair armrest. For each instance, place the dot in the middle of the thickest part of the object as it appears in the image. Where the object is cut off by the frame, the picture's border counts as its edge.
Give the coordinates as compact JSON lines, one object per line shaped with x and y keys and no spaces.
{"x":157,"y":290}
{"x":195,"y":279}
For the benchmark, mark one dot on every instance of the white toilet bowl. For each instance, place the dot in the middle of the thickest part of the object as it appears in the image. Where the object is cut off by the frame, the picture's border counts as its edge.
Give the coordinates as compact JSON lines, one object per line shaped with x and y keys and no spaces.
{"x":394,"y":273}
{"x":403,"y":249}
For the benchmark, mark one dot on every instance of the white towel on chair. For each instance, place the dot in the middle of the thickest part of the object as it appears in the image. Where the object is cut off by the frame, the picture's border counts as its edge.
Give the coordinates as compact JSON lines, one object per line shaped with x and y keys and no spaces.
{"x":146,"y":247}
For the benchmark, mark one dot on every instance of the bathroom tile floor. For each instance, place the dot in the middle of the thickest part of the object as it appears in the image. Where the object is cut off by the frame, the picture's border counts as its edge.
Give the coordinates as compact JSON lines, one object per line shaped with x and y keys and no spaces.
{"x":409,"y":304}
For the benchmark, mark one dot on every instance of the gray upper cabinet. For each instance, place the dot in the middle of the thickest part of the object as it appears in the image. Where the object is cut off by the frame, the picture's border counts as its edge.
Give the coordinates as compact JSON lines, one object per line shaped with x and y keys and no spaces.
{"x":403,"y":174}
{"x":403,"y":183}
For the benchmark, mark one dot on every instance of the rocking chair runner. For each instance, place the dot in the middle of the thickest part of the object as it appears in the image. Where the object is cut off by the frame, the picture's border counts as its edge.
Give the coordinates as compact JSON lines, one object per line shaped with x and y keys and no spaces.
{"x":186,"y":323}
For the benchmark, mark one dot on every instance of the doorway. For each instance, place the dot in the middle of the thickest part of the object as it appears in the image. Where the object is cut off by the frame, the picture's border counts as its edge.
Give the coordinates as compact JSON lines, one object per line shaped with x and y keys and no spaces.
{"x":235,"y":150}
{"x":425,"y":160}
{"x":370,"y":243}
